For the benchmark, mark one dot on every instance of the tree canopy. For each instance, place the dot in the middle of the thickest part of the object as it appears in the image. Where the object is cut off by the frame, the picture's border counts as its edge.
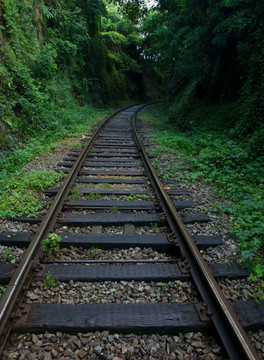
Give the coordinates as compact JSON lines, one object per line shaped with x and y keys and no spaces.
{"x":195,"y":53}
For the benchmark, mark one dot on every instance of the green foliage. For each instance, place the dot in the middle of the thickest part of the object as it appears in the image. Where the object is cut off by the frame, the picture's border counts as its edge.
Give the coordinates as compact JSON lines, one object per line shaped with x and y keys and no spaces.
{"x":9,"y":257}
{"x":155,"y":226}
{"x":178,"y":143}
{"x":233,"y":171}
{"x":53,"y":61}
{"x":77,"y":144}
{"x":66,"y":118}
{"x":74,"y":194}
{"x":93,"y":196}
{"x":121,"y":61}
{"x":211,"y":54}
{"x":20,"y":192}
{"x":165,"y":286}
{"x":51,"y":245}
{"x":134,"y":197}
{"x":114,"y":210}
{"x":2,"y":289}
{"x":94,"y":252}
{"x":50,"y":281}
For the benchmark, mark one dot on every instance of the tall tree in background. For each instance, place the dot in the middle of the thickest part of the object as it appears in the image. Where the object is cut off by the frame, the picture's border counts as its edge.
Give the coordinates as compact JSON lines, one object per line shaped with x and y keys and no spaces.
{"x":212,"y":53}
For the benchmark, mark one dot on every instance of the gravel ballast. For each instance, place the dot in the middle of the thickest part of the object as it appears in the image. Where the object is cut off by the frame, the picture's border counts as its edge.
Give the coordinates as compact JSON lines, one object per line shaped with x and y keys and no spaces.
{"x":111,"y":292}
{"x":48,"y":346}
{"x":189,"y":346}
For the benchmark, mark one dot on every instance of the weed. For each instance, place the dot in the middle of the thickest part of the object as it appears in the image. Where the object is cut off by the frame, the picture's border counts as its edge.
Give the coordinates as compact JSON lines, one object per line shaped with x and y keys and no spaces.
{"x":112,"y":186}
{"x":155,"y":226}
{"x":103,"y":186}
{"x":135,"y":197}
{"x":77,"y":144}
{"x":74,"y":194}
{"x":93,"y":196}
{"x":114,"y":210}
{"x":9,"y":256}
{"x":94,"y":252}
{"x":110,"y":256}
{"x":50,"y":281}
{"x":2,"y":289}
{"x":165,"y":286}
{"x":51,"y":245}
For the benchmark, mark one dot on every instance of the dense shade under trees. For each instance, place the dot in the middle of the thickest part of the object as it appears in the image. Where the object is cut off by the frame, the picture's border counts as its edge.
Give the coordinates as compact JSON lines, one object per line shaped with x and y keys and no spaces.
{"x":207,"y":56}
{"x":212,"y":55}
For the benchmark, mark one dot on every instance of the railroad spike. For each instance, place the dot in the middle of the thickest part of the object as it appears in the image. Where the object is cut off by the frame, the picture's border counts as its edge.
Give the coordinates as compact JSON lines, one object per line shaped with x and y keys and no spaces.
{"x":60,"y":216}
{"x":162,"y":216}
{"x":185,"y":268}
{"x":202,"y":312}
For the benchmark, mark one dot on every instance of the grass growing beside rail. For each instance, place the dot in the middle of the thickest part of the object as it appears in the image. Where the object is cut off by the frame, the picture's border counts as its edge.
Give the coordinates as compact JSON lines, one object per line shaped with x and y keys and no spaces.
{"x":63,"y":120}
{"x":233,"y":172}
{"x":20,"y":193}
{"x":73,"y":121}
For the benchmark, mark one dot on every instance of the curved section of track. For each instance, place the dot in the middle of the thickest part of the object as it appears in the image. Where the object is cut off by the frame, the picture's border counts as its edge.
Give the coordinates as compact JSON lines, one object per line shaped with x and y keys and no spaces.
{"x":113,"y":141}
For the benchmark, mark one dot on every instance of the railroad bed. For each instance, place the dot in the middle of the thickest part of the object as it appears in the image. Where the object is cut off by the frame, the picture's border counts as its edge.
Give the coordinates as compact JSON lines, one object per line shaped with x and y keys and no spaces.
{"x":129,"y":280}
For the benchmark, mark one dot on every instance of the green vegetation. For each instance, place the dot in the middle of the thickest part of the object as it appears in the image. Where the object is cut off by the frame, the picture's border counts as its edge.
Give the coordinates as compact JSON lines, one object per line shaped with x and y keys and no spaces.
{"x":62,"y":61}
{"x":93,"y":196}
{"x":2,"y":289}
{"x":165,"y":286}
{"x":134,"y":197}
{"x":111,"y":186}
{"x":51,"y":245}
{"x":232,"y":170}
{"x":114,"y":210}
{"x":75,"y":193}
{"x":94,"y":252}
{"x":77,"y":144}
{"x":211,"y":55}
{"x":38,"y":57}
{"x":20,"y":193}
{"x":155,"y":226}
{"x":50,"y":281}
{"x":9,"y":257}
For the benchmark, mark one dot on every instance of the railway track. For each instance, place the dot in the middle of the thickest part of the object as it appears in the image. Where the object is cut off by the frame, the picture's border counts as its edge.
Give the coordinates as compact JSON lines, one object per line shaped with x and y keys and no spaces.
{"x":111,"y":185}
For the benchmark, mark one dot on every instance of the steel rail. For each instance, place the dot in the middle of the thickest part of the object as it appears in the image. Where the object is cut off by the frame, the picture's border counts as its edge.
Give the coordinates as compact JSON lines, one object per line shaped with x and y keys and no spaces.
{"x":9,"y":300}
{"x":238,"y":345}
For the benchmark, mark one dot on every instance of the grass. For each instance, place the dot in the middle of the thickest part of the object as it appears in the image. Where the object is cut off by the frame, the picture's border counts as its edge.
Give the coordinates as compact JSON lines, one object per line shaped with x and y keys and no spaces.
{"x":20,"y":153}
{"x":217,"y":158}
{"x":134,"y":197}
{"x":113,"y":186}
{"x":92,"y":196}
{"x":21,"y":191}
